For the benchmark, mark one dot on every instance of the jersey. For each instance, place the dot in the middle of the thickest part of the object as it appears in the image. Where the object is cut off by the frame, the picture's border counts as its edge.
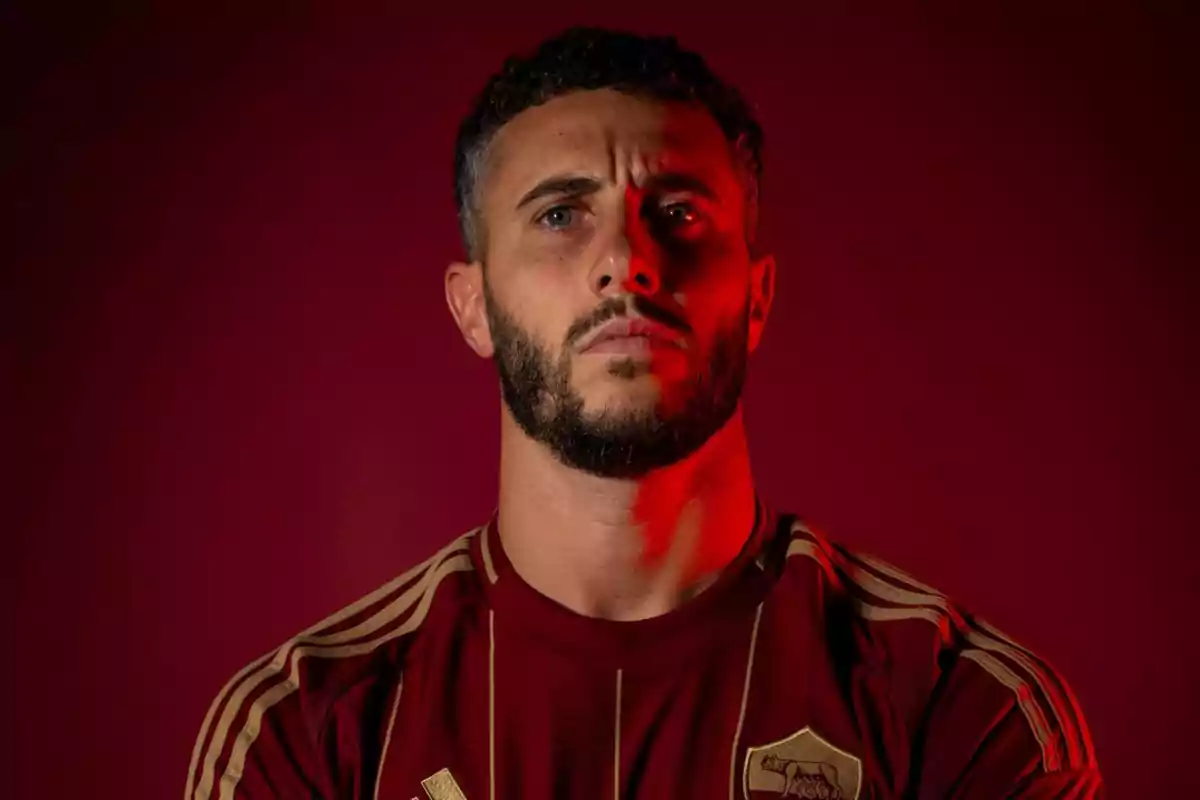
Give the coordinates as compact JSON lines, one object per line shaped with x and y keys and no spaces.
{"x":806,"y":670}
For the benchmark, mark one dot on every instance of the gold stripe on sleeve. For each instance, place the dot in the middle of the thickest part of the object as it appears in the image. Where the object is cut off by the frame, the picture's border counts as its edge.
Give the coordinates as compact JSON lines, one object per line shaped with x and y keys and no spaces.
{"x":249,"y":732}
{"x":330,"y":645}
{"x":983,"y":645}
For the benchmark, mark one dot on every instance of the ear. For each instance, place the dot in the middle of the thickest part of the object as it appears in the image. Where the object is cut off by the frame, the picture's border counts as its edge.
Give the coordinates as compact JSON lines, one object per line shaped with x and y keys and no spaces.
{"x":762,"y":293}
{"x":464,"y":297}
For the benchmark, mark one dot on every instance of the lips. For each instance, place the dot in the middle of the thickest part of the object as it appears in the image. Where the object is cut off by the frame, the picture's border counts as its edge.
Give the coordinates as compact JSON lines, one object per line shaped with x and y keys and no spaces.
{"x":632,"y":335}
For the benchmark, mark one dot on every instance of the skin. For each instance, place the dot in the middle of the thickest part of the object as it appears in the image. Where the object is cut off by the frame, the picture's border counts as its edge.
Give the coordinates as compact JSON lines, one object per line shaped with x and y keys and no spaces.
{"x":602,"y":542}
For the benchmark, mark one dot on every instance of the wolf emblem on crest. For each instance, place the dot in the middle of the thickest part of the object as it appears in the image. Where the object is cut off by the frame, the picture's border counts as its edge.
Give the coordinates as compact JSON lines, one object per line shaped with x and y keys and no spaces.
{"x":803,"y":765}
{"x":812,"y":780}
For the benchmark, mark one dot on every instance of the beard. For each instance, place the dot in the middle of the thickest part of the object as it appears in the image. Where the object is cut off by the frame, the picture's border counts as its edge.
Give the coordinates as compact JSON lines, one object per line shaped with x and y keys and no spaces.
{"x":616,"y":443}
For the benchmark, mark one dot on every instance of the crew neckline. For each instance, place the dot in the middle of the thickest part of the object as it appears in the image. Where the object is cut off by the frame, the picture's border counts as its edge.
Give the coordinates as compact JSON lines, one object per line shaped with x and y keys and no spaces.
{"x":659,"y":641}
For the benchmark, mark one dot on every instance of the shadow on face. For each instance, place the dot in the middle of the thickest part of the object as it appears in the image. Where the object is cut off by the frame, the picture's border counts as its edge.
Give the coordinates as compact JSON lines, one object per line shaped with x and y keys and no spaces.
{"x":601,"y":208}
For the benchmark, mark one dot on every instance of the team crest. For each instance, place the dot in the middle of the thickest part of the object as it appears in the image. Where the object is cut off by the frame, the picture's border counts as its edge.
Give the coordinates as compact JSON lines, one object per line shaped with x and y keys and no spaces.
{"x":802,"y":765}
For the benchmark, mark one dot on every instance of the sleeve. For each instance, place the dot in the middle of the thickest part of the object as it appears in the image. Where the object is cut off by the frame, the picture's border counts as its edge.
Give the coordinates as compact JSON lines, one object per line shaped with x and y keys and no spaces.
{"x":1003,"y":724}
{"x":257,"y":741}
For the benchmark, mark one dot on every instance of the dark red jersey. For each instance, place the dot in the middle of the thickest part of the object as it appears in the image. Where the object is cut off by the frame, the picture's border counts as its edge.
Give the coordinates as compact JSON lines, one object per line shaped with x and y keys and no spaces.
{"x":805,"y":671}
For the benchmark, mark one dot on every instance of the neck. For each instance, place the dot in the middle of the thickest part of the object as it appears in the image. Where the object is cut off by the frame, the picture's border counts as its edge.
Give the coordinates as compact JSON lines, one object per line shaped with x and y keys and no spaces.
{"x":620,"y":548}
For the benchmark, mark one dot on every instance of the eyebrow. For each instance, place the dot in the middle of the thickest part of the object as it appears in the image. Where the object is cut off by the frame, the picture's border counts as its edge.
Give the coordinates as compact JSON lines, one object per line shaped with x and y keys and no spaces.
{"x":580,"y":186}
{"x":564,"y":185}
{"x":681,"y":182}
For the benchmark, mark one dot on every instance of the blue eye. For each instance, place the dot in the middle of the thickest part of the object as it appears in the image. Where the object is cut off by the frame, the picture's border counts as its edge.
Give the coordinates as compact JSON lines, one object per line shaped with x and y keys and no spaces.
{"x":557,"y":217}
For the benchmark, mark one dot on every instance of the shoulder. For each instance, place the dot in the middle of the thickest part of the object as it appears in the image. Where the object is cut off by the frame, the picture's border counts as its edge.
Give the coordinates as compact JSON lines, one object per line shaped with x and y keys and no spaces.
{"x":939,"y":661}
{"x":291,"y":690}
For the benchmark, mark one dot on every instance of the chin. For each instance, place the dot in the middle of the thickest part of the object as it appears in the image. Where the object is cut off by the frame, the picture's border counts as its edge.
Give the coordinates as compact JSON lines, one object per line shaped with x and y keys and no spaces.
{"x":643,"y":392}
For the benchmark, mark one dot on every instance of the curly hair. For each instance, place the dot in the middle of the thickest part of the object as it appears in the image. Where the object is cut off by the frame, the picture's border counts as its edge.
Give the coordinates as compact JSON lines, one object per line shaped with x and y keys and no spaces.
{"x":581,"y":59}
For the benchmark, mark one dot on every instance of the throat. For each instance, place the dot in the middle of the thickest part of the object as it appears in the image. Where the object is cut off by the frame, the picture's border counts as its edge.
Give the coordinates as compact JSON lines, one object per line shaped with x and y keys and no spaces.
{"x":660,"y":556}
{"x":637,"y":585}
{"x":625,"y":549}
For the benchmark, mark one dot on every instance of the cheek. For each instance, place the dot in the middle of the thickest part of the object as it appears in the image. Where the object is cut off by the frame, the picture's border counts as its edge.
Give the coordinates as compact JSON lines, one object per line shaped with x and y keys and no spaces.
{"x":541,"y":302}
{"x":547,"y":263}
{"x":711,"y":289}
{"x":716,"y":257}
{"x":538,"y":249}
{"x":712,"y":306}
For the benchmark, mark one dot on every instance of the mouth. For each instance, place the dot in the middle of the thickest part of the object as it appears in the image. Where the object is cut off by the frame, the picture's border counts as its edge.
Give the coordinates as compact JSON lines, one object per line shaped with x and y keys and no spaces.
{"x":635,"y":344}
{"x":633,"y":336}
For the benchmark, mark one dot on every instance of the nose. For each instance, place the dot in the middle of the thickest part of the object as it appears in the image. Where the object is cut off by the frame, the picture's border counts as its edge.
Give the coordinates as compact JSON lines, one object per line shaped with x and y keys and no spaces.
{"x":630,"y":263}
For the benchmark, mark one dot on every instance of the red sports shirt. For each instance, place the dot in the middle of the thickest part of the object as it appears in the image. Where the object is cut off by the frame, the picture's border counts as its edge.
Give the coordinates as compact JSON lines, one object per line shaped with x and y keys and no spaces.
{"x":805,"y":671}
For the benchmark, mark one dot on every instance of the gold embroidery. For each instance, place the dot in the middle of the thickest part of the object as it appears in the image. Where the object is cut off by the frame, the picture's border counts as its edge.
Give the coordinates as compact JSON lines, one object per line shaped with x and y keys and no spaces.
{"x":442,"y":786}
{"x":802,"y":765}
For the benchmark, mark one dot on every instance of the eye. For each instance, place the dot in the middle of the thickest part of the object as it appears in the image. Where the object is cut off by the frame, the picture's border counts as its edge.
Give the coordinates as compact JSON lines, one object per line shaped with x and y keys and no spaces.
{"x":682,"y":220}
{"x":680,"y":213}
{"x":557,"y":218}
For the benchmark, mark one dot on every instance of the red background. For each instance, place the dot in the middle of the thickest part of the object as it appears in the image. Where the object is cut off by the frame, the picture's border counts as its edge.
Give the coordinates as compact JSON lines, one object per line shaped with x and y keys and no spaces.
{"x":241,"y":403}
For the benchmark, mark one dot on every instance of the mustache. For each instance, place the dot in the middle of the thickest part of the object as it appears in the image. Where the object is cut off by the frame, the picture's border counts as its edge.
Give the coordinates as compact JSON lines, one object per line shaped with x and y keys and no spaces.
{"x":619,"y":307}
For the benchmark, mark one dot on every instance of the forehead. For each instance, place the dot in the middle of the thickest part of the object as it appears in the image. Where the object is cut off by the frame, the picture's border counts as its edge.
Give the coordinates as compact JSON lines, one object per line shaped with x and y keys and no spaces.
{"x":604,"y":133}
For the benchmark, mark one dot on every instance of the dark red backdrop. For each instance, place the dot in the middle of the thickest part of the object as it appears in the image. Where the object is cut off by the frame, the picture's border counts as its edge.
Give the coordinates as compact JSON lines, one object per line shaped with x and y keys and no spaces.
{"x":241,"y":403}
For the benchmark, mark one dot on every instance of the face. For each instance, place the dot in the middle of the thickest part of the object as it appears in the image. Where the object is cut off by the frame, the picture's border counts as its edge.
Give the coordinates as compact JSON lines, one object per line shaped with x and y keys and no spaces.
{"x":616,"y":295}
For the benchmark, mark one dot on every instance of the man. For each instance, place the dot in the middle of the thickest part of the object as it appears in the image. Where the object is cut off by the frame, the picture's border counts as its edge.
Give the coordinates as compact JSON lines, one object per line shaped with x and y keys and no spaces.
{"x":633,"y":622}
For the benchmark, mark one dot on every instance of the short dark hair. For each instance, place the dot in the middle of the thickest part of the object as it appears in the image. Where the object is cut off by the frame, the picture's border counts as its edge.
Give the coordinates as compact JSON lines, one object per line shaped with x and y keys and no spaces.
{"x":581,"y":59}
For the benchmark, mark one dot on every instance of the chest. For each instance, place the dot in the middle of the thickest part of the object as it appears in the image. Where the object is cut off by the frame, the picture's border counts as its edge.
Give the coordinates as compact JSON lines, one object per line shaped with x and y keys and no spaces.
{"x":757,"y":716}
